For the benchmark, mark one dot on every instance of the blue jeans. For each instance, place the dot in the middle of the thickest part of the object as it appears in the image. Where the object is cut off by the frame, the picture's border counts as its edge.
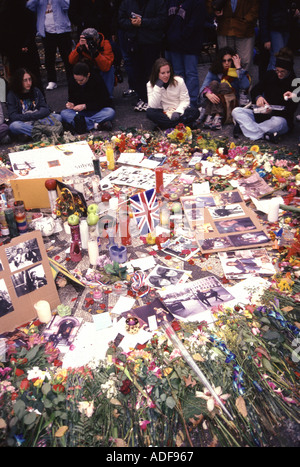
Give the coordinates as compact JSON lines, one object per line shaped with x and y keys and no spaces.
{"x":278,"y":40}
{"x":109,"y":80}
{"x":253,"y":130}
{"x":186,"y":66}
{"x":91,"y":117}
{"x":25,"y":128}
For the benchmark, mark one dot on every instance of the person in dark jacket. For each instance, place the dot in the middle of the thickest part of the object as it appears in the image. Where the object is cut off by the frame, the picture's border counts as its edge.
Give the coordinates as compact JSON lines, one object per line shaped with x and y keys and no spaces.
{"x":184,"y":39}
{"x":276,"y":18}
{"x":275,"y":89}
{"x":143,"y":23}
{"x":25,"y":103}
{"x":97,"y":14}
{"x":89,"y":105}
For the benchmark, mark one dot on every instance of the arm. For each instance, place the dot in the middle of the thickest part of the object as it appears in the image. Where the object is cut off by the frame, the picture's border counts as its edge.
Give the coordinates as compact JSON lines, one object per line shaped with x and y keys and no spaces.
{"x":154,"y":96}
{"x":253,"y":12}
{"x":32,"y":5}
{"x":184,"y":98}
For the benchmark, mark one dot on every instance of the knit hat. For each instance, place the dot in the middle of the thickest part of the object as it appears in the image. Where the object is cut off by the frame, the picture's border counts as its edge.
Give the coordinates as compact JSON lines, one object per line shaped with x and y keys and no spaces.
{"x":90,"y":32}
{"x":285,"y":63}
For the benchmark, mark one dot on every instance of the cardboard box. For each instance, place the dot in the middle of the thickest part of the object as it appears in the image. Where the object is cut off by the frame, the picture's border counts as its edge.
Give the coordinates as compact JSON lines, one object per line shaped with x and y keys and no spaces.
{"x":32,"y":192}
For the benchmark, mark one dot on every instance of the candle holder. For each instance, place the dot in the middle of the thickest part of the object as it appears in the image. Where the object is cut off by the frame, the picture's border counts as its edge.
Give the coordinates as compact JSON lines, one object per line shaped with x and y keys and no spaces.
{"x":64,"y":310}
{"x":132,"y":325}
{"x":75,"y":249}
{"x":118,"y":253}
{"x":119,"y":288}
{"x":11,"y":222}
{"x":97,"y":294}
{"x":20,"y":217}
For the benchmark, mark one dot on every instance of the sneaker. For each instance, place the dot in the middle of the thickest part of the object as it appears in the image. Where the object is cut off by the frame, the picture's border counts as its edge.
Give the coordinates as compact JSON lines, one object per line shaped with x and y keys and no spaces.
{"x":129,"y":93}
{"x":271,"y":137}
{"x":145,"y":107}
{"x":80,"y":124}
{"x":104,"y":126}
{"x":217,"y":123}
{"x":139,"y":106}
{"x":5,"y":140}
{"x":236,"y":130}
{"x":51,"y":85}
{"x":208,"y":121}
{"x":244,"y":100}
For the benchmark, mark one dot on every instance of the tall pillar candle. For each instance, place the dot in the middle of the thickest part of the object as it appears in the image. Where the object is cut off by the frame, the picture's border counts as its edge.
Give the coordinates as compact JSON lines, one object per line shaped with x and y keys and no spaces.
{"x":159,"y":179}
{"x":93,"y":251}
{"x":273,"y":210}
{"x":84,"y":233}
{"x":11,"y":222}
{"x":43,"y":310}
{"x":20,"y":217}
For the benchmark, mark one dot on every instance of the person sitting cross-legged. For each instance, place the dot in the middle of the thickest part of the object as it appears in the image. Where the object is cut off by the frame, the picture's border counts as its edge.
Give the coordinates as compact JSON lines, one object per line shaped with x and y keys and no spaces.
{"x":89,"y":105}
{"x":168,"y":98}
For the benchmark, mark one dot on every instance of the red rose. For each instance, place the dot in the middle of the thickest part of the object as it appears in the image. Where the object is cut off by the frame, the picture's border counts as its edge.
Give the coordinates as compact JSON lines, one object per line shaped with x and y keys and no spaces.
{"x":19,"y":372}
{"x":125,"y":388}
{"x":58,"y":388}
{"x":25,"y":384}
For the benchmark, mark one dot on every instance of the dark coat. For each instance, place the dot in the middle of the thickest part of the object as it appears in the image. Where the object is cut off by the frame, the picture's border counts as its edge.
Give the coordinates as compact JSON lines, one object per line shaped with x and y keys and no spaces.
{"x":185,"y":27}
{"x":272,"y":89}
{"x":275,"y":15}
{"x":14,"y":107}
{"x":94,"y":93}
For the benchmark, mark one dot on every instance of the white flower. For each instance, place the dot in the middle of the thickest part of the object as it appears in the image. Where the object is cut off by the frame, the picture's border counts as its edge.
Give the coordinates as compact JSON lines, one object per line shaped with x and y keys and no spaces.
{"x":211,"y":402}
{"x":86,"y":408}
{"x":35,"y":372}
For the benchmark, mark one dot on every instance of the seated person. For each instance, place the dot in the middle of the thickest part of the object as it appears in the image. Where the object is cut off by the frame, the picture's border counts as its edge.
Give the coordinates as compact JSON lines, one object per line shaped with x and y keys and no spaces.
{"x":4,"y":136}
{"x":223,"y":83}
{"x":89,"y":106}
{"x":95,"y":50}
{"x":274,"y":89}
{"x":25,"y":103}
{"x":168,"y":97}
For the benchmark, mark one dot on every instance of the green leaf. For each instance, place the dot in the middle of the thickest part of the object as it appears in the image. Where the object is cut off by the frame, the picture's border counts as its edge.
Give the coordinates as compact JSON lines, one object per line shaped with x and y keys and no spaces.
{"x":46,"y":388}
{"x":170,"y":402}
{"x":30,"y":418}
{"x":20,"y":409}
{"x":31,"y":354}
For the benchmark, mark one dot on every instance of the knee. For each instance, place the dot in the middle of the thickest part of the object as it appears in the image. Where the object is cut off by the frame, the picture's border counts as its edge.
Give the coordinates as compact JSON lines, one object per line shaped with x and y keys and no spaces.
{"x":66,"y":114}
{"x":15,"y":127}
{"x":237,"y":112}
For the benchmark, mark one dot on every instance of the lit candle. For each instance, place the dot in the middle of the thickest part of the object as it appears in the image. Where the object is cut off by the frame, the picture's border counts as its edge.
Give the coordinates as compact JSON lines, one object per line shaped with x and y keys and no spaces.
{"x":43,"y":311}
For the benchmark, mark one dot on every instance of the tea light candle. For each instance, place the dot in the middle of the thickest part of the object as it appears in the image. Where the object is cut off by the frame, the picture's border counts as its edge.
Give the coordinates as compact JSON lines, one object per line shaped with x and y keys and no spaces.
{"x":43,"y":310}
{"x":97,"y":295}
{"x":132,"y":325}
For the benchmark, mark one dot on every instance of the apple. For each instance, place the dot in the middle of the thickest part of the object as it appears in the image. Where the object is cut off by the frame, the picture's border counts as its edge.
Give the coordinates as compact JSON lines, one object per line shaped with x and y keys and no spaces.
{"x":198,"y":166}
{"x":92,"y":218}
{"x":176,"y":207}
{"x":93,"y":208}
{"x":73,"y":219}
{"x":51,"y":184}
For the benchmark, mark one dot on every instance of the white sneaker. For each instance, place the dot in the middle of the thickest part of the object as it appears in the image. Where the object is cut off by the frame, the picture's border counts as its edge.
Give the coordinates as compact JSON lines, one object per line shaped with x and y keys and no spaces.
{"x":51,"y":86}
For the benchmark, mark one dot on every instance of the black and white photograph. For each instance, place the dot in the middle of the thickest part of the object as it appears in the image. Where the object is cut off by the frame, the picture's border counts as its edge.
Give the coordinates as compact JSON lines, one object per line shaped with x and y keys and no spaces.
{"x":235,"y":225}
{"x":181,"y":247}
{"x":230,"y":210}
{"x":6,"y":305}
{"x":230,"y":197}
{"x":254,"y":186}
{"x":61,"y":331}
{"x":240,"y":264}
{"x":216,"y":243}
{"x":28,"y":280}
{"x":249,"y":238}
{"x":24,"y":254}
{"x":188,"y":300}
{"x":162,"y":276}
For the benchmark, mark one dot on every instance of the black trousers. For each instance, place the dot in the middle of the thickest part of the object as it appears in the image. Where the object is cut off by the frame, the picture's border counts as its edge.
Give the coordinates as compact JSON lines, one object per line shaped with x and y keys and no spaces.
{"x":62,"y":42}
{"x":160,"y":119}
{"x":142,"y":59}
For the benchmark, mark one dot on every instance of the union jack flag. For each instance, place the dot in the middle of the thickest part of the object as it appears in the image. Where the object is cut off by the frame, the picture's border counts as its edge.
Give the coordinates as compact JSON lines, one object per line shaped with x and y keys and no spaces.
{"x":146,"y":210}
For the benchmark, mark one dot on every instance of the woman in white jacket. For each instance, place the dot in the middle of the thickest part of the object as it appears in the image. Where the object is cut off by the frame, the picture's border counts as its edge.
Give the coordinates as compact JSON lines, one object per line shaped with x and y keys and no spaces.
{"x":168,"y":98}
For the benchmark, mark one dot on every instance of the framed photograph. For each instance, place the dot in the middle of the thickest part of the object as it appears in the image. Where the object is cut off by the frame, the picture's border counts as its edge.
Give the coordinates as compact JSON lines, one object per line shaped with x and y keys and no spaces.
{"x":61,"y":331}
{"x":25,"y":278}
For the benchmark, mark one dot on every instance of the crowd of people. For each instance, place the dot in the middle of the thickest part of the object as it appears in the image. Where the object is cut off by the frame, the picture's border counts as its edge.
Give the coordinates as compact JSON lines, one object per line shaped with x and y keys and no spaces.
{"x":159,"y":43}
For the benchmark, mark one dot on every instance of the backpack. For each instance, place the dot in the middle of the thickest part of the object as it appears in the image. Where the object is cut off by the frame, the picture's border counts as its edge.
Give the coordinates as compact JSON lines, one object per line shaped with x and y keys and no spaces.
{"x":49,"y":127}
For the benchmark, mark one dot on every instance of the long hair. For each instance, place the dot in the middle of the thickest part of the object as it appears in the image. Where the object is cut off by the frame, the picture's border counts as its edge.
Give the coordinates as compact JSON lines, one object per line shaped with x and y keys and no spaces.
{"x":155,"y":71}
{"x":217,"y":64}
{"x":16,"y":83}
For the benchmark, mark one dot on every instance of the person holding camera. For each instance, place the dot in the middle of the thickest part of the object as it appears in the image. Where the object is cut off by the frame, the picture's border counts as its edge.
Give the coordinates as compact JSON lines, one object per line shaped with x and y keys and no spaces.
{"x":54,"y":27}
{"x":95,"y":50}
{"x":275,"y":89}
{"x":236,"y":21}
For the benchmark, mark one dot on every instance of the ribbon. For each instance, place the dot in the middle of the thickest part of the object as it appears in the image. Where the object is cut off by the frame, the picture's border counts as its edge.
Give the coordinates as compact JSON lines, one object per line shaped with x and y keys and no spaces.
{"x":138,"y":284}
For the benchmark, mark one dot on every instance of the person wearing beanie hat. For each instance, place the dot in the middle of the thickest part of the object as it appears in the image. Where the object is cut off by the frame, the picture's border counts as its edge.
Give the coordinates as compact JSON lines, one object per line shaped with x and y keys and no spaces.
{"x":274,"y":108}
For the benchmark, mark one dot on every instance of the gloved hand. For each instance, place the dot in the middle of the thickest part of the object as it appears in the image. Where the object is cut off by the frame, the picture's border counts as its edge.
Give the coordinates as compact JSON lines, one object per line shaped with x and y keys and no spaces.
{"x":175,"y":116}
{"x":159,"y":83}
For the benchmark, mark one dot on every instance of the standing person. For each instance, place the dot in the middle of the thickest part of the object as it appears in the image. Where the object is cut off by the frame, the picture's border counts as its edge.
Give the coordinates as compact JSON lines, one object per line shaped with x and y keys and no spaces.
{"x":236,"y":21}
{"x":168,"y":97}
{"x":18,"y":43}
{"x":276,"y":19}
{"x":89,"y":105}
{"x":25,"y":103}
{"x":273,"y":89}
{"x":97,"y":14}
{"x":54,"y":27}
{"x":184,"y":39}
{"x":221,"y":88}
{"x":143,"y":23}
{"x":95,"y":50}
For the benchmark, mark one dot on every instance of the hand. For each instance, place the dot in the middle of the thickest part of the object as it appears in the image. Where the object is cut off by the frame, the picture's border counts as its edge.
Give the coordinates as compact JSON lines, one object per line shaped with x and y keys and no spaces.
{"x":219,"y":13}
{"x":70,"y":105}
{"x":159,"y":83}
{"x":79,"y":107}
{"x":237,"y":61}
{"x":175,"y":116}
{"x":261,"y":101}
{"x":289,"y":95}
{"x":83,"y":42}
{"x":213,"y":98}
{"x":137,"y":21}
{"x":267,"y":45}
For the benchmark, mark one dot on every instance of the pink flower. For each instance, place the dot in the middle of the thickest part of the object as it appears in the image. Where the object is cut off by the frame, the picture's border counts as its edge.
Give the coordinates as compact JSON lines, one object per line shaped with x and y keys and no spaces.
{"x":143,"y":424}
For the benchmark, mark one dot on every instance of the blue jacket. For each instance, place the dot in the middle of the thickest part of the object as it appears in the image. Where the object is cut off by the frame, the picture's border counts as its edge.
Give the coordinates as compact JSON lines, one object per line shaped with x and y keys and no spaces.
{"x":243,"y":81}
{"x":60,"y":13}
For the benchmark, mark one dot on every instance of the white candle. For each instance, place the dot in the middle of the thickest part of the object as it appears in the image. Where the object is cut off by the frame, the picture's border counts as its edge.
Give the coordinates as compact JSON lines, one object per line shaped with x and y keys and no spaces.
{"x":43,"y":311}
{"x":84,"y":233}
{"x":273,"y":210}
{"x":93,"y":251}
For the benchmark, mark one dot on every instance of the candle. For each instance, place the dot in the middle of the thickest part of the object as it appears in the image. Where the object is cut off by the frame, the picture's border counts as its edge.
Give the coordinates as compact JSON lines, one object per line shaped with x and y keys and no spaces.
{"x":110,"y":157}
{"x":273,"y":210}
{"x":84,"y":233}
{"x":97,"y":295}
{"x":159,"y":179}
{"x":93,"y":251}
{"x":43,"y":310}
{"x":132,"y":325}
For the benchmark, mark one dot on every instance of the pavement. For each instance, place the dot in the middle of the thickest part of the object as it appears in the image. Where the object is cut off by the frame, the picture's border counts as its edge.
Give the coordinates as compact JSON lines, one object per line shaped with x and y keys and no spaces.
{"x":126,"y":118}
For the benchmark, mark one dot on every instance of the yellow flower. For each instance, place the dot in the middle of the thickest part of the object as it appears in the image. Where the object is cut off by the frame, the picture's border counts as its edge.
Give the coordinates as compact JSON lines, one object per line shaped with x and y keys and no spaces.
{"x":38,"y":383}
{"x":232,"y":145}
{"x":254,"y":148}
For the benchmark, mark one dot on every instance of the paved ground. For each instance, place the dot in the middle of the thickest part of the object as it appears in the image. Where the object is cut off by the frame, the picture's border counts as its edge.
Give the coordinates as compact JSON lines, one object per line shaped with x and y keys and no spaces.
{"x":126,"y":117}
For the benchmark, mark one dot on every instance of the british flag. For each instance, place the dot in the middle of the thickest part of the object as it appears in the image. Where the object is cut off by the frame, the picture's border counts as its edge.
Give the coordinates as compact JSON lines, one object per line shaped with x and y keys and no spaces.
{"x":146,"y":210}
